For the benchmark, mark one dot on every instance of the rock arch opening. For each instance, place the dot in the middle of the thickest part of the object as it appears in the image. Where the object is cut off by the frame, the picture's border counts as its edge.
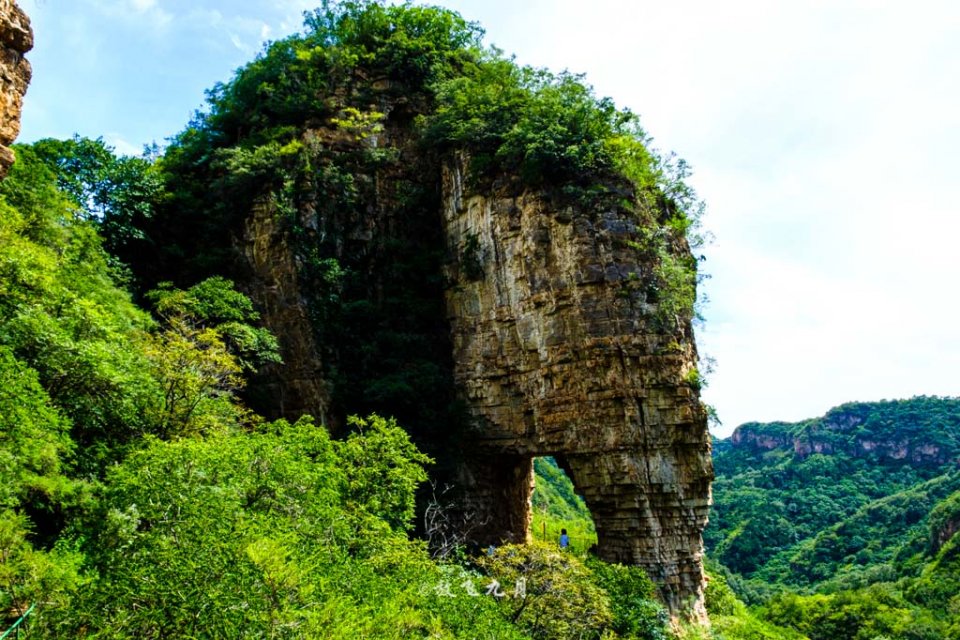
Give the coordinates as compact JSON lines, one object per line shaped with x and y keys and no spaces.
{"x":557,"y":507}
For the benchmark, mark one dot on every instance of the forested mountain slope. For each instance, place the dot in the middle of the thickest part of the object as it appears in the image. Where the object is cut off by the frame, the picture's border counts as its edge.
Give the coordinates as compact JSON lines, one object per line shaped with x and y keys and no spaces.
{"x":859,"y":505}
{"x":781,"y":484}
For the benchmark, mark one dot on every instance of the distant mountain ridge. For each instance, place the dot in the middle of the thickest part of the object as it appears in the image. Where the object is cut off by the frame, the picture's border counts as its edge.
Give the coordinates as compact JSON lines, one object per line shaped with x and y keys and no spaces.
{"x":858,"y":508}
{"x":782,"y":485}
{"x":921,"y":430}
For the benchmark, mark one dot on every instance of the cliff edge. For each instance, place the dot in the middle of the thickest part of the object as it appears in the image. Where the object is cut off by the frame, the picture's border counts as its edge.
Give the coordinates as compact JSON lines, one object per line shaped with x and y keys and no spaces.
{"x":16,"y":39}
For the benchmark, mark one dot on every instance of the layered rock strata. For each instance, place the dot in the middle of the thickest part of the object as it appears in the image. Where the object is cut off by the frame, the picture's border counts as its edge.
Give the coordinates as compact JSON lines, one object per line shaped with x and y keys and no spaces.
{"x":557,"y":354}
{"x":16,"y":39}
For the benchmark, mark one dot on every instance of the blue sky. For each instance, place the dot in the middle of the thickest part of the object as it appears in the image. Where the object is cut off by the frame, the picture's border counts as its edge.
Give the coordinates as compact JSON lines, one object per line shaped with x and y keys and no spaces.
{"x":823,"y":134}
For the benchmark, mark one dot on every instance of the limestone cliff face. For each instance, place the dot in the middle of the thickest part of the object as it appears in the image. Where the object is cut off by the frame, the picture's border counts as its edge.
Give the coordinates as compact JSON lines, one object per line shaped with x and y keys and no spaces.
{"x":556,"y":354}
{"x":944,"y":533}
{"x":360,"y":336}
{"x":752,"y":436}
{"x":16,"y":38}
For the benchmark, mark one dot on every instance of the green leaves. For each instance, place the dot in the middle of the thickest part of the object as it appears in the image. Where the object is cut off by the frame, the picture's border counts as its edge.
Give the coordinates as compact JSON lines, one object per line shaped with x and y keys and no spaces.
{"x":190,"y":535}
{"x":383,"y":469}
{"x":200,"y":354}
{"x":29,"y":575}
{"x":34,"y":445}
{"x":278,"y":532}
{"x":558,"y":599}
{"x":411,"y":44}
{"x":63,"y":316}
{"x":119,"y":193}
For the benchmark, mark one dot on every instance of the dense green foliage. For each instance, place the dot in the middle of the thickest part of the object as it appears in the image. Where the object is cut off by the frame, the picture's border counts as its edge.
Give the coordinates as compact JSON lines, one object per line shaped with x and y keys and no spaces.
{"x":771,"y":502}
{"x":835,"y":525}
{"x":731,"y":620}
{"x":633,"y":604}
{"x":263,"y":534}
{"x":119,"y":193}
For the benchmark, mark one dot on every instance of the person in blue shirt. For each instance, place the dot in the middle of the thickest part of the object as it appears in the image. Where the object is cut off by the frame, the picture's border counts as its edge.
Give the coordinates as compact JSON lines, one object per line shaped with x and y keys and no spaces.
{"x":564,"y":539}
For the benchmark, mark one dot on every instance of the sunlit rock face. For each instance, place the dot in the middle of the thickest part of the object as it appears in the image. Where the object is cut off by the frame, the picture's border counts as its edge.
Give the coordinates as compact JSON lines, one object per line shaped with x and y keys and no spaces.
{"x":557,"y":354}
{"x":16,"y":38}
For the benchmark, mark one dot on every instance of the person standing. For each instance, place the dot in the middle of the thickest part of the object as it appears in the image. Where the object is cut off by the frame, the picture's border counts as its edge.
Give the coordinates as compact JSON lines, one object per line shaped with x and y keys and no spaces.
{"x":564,"y":539}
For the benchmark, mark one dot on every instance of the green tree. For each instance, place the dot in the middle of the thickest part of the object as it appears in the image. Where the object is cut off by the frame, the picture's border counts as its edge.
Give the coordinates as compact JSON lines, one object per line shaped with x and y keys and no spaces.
{"x":633,"y":601}
{"x":63,"y":315}
{"x":120,"y":193}
{"x":35,"y":451}
{"x":383,"y":469}
{"x":252,"y":534}
{"x":557,"y":598}
{"x":200,"y":353}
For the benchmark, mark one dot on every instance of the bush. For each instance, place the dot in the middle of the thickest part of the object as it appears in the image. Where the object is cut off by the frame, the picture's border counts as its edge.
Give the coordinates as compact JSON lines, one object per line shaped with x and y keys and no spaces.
{"x":548,"y":592}
{"x":633,"y":601}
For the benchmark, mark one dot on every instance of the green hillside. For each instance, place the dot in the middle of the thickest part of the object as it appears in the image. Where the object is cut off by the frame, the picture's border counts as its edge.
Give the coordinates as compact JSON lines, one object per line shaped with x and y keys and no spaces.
{"x":556,"y":506}
{"x":780,"y":484}
{"x":841,"y":526}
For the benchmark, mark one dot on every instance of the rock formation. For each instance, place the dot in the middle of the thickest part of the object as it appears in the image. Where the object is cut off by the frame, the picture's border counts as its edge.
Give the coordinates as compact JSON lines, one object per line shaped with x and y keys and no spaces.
{"x":555,"y":356}
{"x":940,"y":535}
{"x":497,"y":316}
{"x":297,"y":386}
{"x":16,"y":38}
{"x":552,"y":341}
{"x":553,"y":345}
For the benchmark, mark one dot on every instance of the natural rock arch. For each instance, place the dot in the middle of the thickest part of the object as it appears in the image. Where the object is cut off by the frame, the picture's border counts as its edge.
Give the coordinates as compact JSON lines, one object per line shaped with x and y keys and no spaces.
{"x":556,"y":348}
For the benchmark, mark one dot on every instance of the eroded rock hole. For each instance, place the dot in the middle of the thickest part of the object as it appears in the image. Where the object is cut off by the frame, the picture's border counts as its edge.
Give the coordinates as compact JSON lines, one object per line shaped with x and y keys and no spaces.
{"x":557,"y":506}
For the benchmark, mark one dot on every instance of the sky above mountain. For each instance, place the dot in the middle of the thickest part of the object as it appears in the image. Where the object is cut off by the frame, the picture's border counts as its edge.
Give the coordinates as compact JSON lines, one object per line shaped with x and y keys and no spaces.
{"x":823,"y":135}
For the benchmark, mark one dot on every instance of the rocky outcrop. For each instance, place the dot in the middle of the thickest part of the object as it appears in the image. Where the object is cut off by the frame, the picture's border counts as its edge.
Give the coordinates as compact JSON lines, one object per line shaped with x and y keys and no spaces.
{"x":16,"y":38}
{"x":552,"y":343}
{"x":557,"y":354}
{"x":753,"y":436}
{"x":945,"y":532}
{"x":838,"y":434}
{"x":944,"y":522}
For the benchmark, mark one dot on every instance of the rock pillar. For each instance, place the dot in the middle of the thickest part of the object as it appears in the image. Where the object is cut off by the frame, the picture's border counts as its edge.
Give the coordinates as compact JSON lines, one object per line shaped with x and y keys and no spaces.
{"x":560,"y":349}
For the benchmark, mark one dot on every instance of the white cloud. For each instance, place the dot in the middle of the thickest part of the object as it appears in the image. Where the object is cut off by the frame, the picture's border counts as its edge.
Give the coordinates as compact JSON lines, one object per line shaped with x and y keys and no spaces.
{"x":245,"y":33}
{"x":143,"y":5}
{"x":147,"y":14}
{"x":121,"y":146}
